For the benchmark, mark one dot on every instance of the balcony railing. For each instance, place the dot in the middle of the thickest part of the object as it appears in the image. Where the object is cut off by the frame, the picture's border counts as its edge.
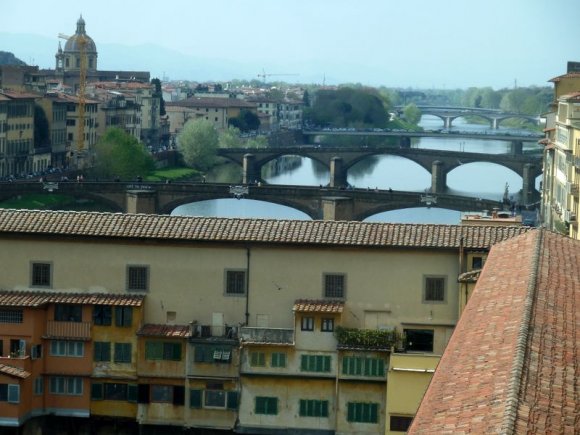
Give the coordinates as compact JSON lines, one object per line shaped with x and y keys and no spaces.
{"x":68,"y":330}
{"x":207,"y":331}
{"x":267,"y":335}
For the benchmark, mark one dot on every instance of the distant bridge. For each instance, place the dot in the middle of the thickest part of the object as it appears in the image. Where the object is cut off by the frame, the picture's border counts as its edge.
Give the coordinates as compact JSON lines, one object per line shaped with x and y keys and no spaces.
{"x":448,"y":114}
{"x":339,"y":160}
{"x":317,"y":202}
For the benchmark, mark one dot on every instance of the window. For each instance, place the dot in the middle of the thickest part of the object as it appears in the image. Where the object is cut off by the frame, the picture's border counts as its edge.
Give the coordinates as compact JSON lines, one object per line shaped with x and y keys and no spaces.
{"x":10,"y":393}
{"x":11,"y":316}
{"x":38,"y":387}
{"x":266,"y":405}
{"x":327,"y":325}
{"x":215,"y":398}
{"x":476,"y":263}
{"x":67,"y":385}
{"x":307,"y":323}
{"x":115,"y":391}
{"x":162,"y":393}
{"x":212,"y":354}
{"x":102,"y":315}
{"x":68,"y":313}
{"x":359,"y":412}
{"x":315,"y":363}
{"x":160,"y":350}
{"x":123,"y":316}
{"x":138,"y":278}
{"x":122,"y":352}
{"x":399,"y":423}
{"x":334,"y":285}
{"x":36,"y":351}
{"x":434,"y":289}
{"x":257,"y":359}
{"x":420,"y":340}
{"x":102,"y":351}
{"x":313,"y":408}
{"x":67,"y":348}
{"x":235,"y":282}
{"x":278,"y":359}
{"x":41,"y":276}
{"x":361,"y":366}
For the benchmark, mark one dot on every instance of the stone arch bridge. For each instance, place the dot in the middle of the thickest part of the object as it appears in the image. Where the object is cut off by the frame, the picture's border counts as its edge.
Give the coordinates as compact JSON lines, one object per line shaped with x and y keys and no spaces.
{"x":326,"y":203}
{"x":438,"y":163}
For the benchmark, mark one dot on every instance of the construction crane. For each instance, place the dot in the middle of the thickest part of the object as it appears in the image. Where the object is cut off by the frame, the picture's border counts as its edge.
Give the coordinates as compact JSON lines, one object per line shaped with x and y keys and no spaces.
{"x":264,"y":75}
{"x":82,"y":45}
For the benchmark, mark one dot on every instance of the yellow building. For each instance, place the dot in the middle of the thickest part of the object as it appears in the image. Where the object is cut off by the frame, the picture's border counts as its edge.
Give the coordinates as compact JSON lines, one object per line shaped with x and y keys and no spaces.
{"x":256,"y":325}
{"x":16,"y":133}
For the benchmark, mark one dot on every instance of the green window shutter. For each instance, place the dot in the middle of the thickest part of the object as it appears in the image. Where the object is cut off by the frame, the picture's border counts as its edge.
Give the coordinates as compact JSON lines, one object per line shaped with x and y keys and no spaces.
{"x":273,"y":406}
{"x":350,"y":412}
{"x":195,"y":397}
{"x":346,"y":365}
{"x":304,"y":363}
{"x":132,"y":393}
{"x":232,"y":400}
{"x":176,"y":354}
{"x":260,"y":405}
{"x":13,"y":393}
{"x":96,"y":391}
{"x":367,"y":366}
{"x":373,"y":414}
{"x":153,"y":350}
{"x":303,"y":408}
{"x":381,"y":368}
{"x":199,"y":355}
{"x":324,"y":408}
{"x":326,"y":363}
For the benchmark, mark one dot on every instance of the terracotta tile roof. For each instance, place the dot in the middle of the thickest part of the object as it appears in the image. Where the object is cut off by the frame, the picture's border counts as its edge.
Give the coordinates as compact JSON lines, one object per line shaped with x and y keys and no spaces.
{"x":513,"y":363}
{"x":13,"y":371}
{"x":273,"y":231}
{"x":212,"y":103}
{"x":13,"y":298}
{"x":170,"y":331}
{"x":318,"y":306}
{"x":565,"y":76}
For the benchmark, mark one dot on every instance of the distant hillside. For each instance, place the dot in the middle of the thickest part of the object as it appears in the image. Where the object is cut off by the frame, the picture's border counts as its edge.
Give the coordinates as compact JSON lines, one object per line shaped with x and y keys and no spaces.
{"x":7,"y":58}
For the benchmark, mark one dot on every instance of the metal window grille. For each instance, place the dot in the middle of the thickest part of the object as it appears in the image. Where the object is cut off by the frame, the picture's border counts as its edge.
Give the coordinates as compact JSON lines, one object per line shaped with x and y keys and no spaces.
{"x":435,"y":289}
{"x":41,"y":274}
{"x":334,"y":286}
{"x":235,"y":282}
{"x":137,"y":278}
{"x":11,"y":316}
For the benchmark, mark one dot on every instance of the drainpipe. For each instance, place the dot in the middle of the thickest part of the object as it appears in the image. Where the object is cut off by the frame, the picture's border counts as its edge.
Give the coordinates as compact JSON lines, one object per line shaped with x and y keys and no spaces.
{"x":247,"y":286}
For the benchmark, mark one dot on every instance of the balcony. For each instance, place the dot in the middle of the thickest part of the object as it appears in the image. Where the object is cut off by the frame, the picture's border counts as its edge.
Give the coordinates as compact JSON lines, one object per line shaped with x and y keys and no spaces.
{"x":278,"y":336}
{"x":68,"y":330}
{"x":207,"y":331}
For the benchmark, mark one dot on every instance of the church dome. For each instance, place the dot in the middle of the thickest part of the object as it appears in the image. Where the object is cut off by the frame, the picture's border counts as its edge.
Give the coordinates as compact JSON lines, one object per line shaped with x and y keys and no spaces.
{"x":73,"y":43}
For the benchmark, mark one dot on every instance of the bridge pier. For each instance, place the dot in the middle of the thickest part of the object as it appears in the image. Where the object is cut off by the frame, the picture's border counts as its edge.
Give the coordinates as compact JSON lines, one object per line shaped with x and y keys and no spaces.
{"x":517,"y":147}
{"x":494,"y":124}
{"x":142,"y":201}
{"x":250,"y":170}
{"x":528,"y":184}
{"x":337,"y":172}
{"x":438,"y":177}
{"x":337,"y":209}
{"x":447,"y":121}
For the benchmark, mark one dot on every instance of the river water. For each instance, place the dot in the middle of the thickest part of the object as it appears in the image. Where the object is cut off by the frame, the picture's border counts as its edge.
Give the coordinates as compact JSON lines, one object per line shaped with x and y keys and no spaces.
{"x":483,"y":180}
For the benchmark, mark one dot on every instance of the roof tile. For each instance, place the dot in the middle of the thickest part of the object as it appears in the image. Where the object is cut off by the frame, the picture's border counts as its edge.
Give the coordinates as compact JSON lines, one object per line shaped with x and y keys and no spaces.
{"x":318,"y":306}
{"x":13,"y":298}
{"x":171,"y":331}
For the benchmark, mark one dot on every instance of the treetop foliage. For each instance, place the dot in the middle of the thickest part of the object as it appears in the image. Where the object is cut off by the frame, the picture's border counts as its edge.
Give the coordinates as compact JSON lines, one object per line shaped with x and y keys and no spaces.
{"x":118,"y":154}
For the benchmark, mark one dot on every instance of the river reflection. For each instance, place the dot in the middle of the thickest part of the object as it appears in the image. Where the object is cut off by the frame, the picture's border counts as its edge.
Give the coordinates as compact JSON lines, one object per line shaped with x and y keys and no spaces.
{"x":483,"y":180}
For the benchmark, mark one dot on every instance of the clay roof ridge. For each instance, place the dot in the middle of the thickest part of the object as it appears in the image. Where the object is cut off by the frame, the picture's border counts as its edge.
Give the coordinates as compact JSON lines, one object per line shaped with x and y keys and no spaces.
{"x":516,"y":372}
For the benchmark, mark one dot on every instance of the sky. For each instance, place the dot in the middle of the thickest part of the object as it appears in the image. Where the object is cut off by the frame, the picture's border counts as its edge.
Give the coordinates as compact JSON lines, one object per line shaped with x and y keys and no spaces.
{"x":418,"y":44}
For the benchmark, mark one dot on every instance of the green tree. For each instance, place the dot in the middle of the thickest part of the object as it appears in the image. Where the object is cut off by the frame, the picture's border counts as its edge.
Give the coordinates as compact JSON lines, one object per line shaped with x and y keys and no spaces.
{"x":198,"y":143}
{"x":412,"y":113}
{"x":246,"y":121}
{"x":118,"y":154}
{"x":257,"y":142}
{"x":230,"y":138}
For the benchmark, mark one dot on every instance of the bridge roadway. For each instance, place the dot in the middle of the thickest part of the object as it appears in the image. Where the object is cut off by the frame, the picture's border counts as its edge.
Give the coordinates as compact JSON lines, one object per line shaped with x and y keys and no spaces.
{"x":340,"y":159}
{"x":493,"y":116}
{"x":513,"y":138}
{"x":317,"y":202}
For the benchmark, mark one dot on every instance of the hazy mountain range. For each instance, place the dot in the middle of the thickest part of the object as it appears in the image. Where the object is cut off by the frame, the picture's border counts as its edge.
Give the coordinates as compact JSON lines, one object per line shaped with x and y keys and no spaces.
{"x":163,"y":62}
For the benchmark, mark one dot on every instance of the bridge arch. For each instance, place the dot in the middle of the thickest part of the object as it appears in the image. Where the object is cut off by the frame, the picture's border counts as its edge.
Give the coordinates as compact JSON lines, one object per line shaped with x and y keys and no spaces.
{"x":169,"y":207}
{"x":528,"y":119}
